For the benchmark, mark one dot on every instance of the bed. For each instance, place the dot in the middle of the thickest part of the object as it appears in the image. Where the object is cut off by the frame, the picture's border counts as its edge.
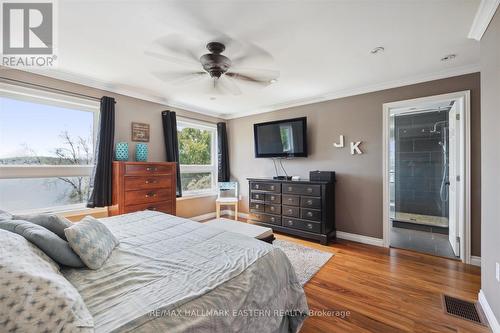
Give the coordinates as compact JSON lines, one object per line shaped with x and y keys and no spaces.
{"x":170,"y":274}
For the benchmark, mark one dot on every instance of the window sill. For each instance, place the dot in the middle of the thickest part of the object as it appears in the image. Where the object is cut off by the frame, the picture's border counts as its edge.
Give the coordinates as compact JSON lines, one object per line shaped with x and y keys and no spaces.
{"x":66,"y":211}
{"x":197,"y":196}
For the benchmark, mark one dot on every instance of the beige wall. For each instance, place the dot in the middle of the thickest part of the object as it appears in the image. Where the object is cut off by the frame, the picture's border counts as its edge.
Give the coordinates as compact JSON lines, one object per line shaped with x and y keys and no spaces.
{"x":490,"y":124}
{"x":130,"y":109}
{"x":359,"y":178}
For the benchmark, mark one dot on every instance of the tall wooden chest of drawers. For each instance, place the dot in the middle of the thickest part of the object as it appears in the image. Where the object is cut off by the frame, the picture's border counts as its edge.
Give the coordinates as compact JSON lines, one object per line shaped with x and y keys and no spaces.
{"x":143,"y":185}
{"x":301,"y":208}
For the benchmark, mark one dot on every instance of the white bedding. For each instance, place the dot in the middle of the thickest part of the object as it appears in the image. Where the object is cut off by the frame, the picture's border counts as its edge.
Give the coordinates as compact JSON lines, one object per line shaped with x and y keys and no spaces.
{"x":176,"y":275}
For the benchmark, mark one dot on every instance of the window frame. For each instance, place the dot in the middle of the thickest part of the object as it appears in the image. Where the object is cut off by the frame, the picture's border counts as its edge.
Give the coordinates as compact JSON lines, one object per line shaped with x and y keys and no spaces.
{"x":40,"y":96}
{"x":192,"y":168}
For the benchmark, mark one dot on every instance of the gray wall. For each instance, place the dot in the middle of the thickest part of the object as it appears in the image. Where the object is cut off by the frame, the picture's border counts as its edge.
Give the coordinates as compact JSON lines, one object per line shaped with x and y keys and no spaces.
{"x":130,"y":109}
{"x":490,"y":124}
{"x":359,"y":186}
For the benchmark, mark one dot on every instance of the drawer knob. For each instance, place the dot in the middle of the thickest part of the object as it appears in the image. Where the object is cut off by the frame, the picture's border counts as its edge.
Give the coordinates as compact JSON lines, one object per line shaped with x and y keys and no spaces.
{"x":309,"y":190}
{"x":309,"y":214}
{"x":309,"y":226}
{"x":309,"y":202}
{"x":149,"y":181}
{"x":272,"y":197}
{"x":151,"y":169}
{"x":257,"y":206}
{"x":272,"y":187}
{"x":290,"y":211}
{"x":257,"y":186}
{"x":272,"y":208}
{"x":150,"y":194}
{"x":290,"y":189}
{"x":290,"y":222}
{"x":272,"y":219}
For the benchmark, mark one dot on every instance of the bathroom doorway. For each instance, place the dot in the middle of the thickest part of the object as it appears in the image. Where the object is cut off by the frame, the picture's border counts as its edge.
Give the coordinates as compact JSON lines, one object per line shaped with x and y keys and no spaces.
{"x":425,"y":175}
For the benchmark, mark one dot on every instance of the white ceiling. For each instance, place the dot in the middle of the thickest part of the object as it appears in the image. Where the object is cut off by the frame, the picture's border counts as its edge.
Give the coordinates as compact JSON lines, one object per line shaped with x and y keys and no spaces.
{"x":321,"y":48}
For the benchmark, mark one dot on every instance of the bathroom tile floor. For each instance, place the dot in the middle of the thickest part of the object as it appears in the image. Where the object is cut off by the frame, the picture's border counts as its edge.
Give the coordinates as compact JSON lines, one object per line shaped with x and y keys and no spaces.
{"x":422,"y":241}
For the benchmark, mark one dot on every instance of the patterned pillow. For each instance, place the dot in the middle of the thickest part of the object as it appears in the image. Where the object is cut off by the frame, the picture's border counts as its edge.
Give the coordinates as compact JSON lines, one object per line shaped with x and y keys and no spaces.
{"x":54,"y":223}
{"x":92,"y":241}
{"x":34,"y":296}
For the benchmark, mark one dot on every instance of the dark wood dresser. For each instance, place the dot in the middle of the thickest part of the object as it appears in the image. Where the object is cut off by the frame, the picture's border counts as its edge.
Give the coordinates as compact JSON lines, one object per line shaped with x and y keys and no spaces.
{"x":302,"y":208}
{"x":143,"y":185}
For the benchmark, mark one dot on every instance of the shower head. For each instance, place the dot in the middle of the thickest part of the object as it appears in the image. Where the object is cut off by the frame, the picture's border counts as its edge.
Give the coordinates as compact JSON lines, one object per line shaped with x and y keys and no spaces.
{"x":443,"y":123}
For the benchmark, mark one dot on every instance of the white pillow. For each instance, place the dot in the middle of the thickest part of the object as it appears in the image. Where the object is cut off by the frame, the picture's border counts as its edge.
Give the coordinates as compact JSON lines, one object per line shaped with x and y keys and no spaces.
{"x":34,"y":295}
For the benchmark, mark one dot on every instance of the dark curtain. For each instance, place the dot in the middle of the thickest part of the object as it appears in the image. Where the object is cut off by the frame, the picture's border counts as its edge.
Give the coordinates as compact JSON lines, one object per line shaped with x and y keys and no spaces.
{"x":171,"y":144}
{"x":223,"y":153}
{"x":101,"y":181}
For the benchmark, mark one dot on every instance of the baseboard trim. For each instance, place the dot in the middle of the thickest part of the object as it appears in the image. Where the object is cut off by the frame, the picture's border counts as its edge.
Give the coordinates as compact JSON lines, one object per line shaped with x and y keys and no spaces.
{"x":213,"y":215}
{"x":203,"y":217}
{"x":492,"y":320}
{"x":360,"y":238}
{"x":476,"y":261}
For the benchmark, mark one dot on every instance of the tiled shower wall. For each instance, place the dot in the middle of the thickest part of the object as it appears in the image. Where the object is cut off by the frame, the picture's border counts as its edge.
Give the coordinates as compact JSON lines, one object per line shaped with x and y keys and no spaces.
{"x":419,"y":164}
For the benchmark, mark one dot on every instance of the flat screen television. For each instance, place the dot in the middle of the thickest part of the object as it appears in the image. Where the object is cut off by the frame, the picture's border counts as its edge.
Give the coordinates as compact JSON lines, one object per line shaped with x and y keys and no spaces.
{"x":281,"y":138}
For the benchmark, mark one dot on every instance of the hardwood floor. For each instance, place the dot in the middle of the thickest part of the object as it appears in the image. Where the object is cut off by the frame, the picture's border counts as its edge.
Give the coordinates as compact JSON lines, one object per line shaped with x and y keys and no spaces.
{"x":387,"y":290}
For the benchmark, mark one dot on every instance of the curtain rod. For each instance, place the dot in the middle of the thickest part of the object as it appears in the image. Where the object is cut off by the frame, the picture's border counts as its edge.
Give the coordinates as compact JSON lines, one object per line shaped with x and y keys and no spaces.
{"x":50,"y":89}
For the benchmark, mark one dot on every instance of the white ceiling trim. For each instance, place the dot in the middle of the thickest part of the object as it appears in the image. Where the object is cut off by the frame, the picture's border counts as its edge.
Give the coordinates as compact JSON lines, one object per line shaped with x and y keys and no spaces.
{"x":363,"y":90}
{"x":101,"y":85}
{"x":484,"y":14}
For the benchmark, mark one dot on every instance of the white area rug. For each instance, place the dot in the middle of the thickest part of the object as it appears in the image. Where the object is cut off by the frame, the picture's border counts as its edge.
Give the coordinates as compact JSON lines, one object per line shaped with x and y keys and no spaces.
{"x":305,"y":260}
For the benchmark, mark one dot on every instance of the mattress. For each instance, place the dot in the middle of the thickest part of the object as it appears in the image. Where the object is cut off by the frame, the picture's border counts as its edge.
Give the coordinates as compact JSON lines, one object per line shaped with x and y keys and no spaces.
{"x":176,"y":275}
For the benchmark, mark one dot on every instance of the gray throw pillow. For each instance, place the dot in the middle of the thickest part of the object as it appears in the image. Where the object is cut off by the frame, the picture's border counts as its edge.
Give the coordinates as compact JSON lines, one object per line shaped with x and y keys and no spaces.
{"x":92,"y":240}
{"x":54,"y":223}
{"x":47,"y":241}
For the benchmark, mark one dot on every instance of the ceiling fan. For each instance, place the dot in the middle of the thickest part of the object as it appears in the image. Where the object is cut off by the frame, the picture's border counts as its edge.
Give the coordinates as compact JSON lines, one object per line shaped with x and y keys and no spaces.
{"x":219,"y":71}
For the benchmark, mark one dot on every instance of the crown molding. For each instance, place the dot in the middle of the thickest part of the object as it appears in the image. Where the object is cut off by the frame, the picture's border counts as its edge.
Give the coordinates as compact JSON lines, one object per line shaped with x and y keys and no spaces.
{"x":484,"y":14}
{"x":362,"y":90}
{"x":101,"y":85}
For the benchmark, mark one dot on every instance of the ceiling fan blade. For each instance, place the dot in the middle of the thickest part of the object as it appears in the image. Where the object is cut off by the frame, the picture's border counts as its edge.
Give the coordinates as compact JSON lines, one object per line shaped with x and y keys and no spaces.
{"x":179,"y":77}
{"x":263,"y":76}
{"x":252,"y":52}
{"x":173,"y":60}
{"x":226,"y":85}
{"x":180,"y":47}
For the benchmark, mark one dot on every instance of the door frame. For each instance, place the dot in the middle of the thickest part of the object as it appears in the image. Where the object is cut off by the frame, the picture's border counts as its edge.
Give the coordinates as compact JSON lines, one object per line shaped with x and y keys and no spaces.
{"x":464,"y":184}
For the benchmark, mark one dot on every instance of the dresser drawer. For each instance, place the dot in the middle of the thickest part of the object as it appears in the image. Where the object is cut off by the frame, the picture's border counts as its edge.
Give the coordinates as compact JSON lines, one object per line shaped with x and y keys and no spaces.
{"x":302,"y":225}
{"x":268,"y":187}
{"x":273,"y":209}
{"x":313,"y":190}
{"x":258,"y":207}
{"x":148,"y":169}
{"x":271,"y":219}
{"x":310,"y":214}
{"x":291,"y":200}
{"x":291,"y":211}
{"x":163,"y":206}
{"x":273,"y":198}
{"x":145,"y":182}
{"x":258,"y":196}
{"x":146,"y":196}
{"x":310,"y":202}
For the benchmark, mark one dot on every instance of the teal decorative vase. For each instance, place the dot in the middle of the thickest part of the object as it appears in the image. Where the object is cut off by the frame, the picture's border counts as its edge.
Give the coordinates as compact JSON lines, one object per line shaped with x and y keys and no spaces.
{"x":121,"y":151}
{"x":141,"y":152}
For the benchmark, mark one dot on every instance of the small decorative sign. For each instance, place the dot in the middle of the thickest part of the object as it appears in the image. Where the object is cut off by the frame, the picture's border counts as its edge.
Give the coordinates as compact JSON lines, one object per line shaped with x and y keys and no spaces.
{"x":140,"y":132}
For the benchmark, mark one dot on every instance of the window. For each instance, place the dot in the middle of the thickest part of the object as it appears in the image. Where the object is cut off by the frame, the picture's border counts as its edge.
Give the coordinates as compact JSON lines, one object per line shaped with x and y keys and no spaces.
{"x":46,"y":149}
{"x":197,"y":155}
